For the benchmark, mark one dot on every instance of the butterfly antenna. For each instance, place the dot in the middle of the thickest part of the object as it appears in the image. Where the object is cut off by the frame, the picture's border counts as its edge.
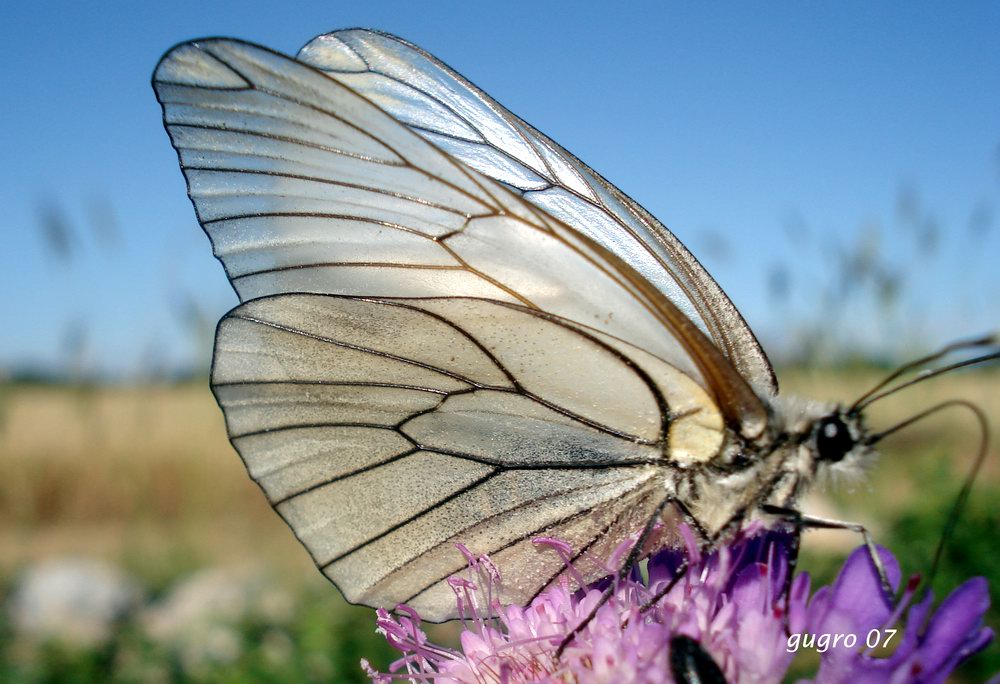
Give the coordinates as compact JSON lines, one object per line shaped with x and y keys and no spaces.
{"x":876,"y":393}
{"x":963,"y":494}
{"x":921,"y":377}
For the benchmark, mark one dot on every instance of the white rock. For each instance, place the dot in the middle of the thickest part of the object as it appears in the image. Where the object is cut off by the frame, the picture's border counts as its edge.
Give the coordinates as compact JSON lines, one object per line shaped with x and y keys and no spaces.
{"x":200,"y":616}
{"x":77,"y":601}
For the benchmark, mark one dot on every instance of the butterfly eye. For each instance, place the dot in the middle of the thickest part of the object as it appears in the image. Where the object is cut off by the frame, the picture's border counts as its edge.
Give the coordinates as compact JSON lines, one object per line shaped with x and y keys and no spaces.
{"x":833,"y":439}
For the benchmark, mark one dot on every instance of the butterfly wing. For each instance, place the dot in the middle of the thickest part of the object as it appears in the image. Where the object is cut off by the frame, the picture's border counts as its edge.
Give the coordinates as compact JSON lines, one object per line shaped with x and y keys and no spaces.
{"x":445,"y":108}
{"x":384,"y":431}
{"x":422,"y":357}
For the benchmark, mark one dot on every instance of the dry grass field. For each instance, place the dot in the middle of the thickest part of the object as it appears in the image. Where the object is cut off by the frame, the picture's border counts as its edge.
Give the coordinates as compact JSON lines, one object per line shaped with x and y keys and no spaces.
{"x":127,"y":473}
{"x":145,"y":478}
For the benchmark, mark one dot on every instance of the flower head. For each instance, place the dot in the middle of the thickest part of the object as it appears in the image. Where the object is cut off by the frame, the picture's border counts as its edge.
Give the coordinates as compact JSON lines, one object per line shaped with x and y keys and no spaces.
{"x":729,"y":610}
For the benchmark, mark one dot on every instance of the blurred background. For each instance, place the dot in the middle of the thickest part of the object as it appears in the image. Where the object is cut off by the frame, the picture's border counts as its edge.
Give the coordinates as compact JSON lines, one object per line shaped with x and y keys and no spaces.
{"x":836,"y":166}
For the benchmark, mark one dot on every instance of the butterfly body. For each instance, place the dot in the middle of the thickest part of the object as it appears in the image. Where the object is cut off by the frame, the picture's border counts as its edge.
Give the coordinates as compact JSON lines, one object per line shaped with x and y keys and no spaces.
{"x":777,"y":468}
{"x":452,"y":330}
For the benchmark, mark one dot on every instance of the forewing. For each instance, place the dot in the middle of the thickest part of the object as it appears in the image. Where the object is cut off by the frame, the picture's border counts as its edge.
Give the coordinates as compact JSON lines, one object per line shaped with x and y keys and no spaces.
{"x":303,"y":185}
{"x":385,"y":431}
{"x":455,"y":115}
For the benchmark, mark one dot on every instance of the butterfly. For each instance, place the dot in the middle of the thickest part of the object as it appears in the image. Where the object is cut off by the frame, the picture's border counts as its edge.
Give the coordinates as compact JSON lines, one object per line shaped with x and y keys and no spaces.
{"x":453,"y":330}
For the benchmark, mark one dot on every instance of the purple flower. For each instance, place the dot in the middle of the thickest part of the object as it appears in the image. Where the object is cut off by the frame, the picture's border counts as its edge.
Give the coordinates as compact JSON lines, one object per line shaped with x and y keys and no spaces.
{"x":853,"y":604}
{"x":730,"y":602}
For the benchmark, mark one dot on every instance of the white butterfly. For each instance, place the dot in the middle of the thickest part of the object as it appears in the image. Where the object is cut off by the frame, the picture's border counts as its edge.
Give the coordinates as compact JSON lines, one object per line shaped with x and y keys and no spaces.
{"x":453,"y":330}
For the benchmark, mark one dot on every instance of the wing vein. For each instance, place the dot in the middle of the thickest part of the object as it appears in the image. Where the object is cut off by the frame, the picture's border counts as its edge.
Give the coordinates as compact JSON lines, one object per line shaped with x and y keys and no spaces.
{"x":250,"y":133}
{"x":542,"y":465}
{"x":318,"y":424}
{"x":419,"y":514}
{"x":348,"y":264}
{"x":331,"y":383}
{"x":316,"y":214}
{"x":343,"y":184}
{"x":367,"y":350}
{"x":338,"y":478}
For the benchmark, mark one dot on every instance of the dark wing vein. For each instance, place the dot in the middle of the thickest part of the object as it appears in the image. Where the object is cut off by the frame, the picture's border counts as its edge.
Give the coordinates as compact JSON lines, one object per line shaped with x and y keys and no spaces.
{"x":353,"y":473}
{"x":366,"y":350}
{"x":250,"y":133}
{"x":441,"y":502}
{"x":340,"y":183}
{"x":315,"y":424}
{"x":332,"y":383}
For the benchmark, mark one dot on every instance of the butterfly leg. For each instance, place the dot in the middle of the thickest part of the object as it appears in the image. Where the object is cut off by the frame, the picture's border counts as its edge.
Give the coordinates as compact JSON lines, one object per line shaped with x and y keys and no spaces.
{"x":801,"y":521}
{"x":630,"y":561}
{"x":795,"y":518}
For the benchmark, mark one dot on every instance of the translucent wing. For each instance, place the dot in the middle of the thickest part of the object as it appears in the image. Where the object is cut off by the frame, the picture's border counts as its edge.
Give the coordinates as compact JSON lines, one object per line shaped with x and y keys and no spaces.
{"x":304,"y":186}
{"x":448,"y":110}
{"x":416,"y":338}
{"x":386,"y":430}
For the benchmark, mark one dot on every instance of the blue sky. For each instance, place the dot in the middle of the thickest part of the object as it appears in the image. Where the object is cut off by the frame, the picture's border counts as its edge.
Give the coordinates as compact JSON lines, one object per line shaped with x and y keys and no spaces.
{"x":733,"y":126}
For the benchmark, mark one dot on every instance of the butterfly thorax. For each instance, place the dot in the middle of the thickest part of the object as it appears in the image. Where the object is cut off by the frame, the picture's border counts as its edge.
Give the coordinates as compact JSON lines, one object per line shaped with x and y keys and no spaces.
{"x":805,"y":442}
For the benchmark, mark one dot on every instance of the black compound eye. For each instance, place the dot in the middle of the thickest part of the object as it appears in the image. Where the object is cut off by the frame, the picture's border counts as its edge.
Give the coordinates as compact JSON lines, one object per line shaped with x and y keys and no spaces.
{"x":833,"y":439}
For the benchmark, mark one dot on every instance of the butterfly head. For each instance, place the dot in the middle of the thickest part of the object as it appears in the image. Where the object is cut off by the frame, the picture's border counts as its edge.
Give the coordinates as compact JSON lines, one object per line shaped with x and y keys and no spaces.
{"x":814,"y":441}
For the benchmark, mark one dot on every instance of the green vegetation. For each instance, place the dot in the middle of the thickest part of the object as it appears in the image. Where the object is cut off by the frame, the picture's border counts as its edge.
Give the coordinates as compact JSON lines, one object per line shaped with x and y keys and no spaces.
{"x":145,"y":479}
{"x":323,"y":643}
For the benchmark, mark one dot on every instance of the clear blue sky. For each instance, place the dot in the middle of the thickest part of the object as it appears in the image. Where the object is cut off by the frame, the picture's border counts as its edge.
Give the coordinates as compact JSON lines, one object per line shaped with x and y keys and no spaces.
{"x":730,"y":125}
